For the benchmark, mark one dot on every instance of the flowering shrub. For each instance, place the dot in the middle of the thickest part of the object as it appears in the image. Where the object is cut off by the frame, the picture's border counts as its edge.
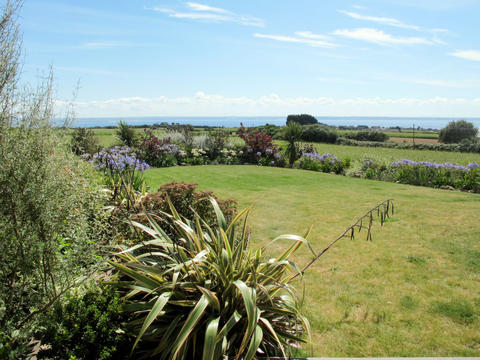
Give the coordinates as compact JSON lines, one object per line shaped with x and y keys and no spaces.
{"x":325,"y":163}
{"x":117,"y":160}
{"x":433,"y":174}
{"x":229,"y":156}
{"x":197,"y":157}
{"x":259,"y":146}
{"x":124,"y":173}
{"x":158,"y":152}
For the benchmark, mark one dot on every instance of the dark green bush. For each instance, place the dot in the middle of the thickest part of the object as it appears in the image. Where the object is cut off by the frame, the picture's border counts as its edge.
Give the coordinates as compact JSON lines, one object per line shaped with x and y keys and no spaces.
{"x":88,"y":325}
{"x":377,"y":136}
{"x":319,"y":133}
{"x":457,"y":131}
{"x":303,"y":119}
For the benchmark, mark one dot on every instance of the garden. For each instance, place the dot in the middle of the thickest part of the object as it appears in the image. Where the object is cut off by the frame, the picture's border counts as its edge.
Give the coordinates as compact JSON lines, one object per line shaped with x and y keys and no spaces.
{"x":179,"y":244}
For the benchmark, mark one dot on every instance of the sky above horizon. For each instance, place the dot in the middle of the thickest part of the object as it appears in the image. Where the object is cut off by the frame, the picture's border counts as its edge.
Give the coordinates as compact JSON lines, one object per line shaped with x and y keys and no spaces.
{"x":257,"y":57}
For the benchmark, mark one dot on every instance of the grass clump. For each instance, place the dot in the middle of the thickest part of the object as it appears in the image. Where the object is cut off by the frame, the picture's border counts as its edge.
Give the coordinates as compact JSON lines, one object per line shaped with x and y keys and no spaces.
{"x":458,"y":310}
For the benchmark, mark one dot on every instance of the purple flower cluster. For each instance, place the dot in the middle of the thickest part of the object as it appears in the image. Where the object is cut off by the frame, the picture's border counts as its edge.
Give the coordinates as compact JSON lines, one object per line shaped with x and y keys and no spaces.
{"x":118,"y":159}
{"x":332,"y":159}
{"x":433,"y":165}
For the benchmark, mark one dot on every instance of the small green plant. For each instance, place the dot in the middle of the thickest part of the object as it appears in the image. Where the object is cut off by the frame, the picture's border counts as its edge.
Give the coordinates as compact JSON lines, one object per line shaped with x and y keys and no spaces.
{"x":292,"y":134}
{"x":204,"y":294}
{"x":126,"y":135}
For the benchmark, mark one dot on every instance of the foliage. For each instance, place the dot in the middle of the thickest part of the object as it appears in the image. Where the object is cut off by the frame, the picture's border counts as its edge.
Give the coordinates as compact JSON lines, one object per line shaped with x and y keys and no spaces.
{"x":126,"y":134}
{"x":258,"y":144}
{"x":269,"y":129}
{"x":216,"y":142}
{"x":457,"y":131}
{"x":84,"y":141}
{"x":368,"y":136}
{"x":319,"y":133}
{"x":186,"y":201}
{"x":465,"y":146}
{"x":424,"y":173}
{"x":325,"y":163}
{"x":203,"y":294}
{"x":124,"y":174}
{"x":49,"y":206}
{"x":303,"y":119}
{"x":292,"y":134}
{"x":87,"y":324}
{"x":186,"y":132}
{"x":156,"y":152}
{"x":10,"y":51}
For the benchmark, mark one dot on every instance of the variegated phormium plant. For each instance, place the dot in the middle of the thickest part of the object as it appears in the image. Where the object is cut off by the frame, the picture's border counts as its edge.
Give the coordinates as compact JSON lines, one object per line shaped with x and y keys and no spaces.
{"x":204,"y":294}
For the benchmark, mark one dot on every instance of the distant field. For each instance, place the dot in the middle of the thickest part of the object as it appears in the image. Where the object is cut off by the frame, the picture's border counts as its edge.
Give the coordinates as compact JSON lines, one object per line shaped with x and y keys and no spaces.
{"x":412,"y":291}
{"x":403,"y":134}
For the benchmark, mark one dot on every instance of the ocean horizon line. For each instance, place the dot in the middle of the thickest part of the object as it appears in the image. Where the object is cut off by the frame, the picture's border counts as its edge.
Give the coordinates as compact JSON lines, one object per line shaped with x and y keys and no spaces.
{"x":234,"y":121}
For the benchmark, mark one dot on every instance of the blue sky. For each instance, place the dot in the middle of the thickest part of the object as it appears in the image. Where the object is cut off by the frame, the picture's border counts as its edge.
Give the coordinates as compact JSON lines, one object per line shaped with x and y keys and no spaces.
{"x":258,"y":57}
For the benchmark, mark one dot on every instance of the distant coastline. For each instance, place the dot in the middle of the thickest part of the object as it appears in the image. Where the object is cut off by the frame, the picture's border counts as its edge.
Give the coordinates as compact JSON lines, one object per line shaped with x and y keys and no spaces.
{"x":234,"y":121}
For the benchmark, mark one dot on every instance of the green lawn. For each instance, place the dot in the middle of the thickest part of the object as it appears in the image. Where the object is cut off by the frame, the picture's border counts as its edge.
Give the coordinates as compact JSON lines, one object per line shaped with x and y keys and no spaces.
{"x":413,"y":291}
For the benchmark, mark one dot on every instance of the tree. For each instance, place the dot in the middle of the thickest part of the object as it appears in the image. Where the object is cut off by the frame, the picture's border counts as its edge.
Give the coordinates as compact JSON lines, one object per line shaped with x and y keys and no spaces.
{"x":303,"y":119}
{"x":292,"y":134}
{"x":456,"y":131}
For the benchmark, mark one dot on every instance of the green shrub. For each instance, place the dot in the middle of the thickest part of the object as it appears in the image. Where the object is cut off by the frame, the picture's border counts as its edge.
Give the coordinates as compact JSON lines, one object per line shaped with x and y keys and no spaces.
{"x":203,"y":294}
{"x":84,"y":141}
{"x":303,"y":119}
{"x":87,"y":324}
{"x":327,"y":163}
{"x":126,"y":134}
{"x":457,"y":131}
{"x":376,"y":136}
{"x":50,"y":220}
{"x":319,"y":133}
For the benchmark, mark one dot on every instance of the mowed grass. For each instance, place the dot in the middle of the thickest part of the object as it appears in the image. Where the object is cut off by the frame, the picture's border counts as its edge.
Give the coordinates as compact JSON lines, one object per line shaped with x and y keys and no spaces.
{"x":412,"y":291}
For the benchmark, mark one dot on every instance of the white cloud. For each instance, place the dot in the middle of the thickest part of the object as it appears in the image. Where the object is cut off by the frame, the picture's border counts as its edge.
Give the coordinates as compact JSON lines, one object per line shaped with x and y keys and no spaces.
{"x":310,"y":35}
{"x":291,"y":39}
{"x":379,"y":37}
{"x":202,"y":104}
{"x":359,"y":7}
{"x":202,"y":7}
{"x":210,"y":13}
{"x":473,"y":55}
{"x":380,"y":20}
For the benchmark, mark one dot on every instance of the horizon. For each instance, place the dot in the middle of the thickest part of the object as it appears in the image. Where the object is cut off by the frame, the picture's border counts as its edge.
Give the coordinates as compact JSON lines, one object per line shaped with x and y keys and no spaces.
{"x":367,"y":58}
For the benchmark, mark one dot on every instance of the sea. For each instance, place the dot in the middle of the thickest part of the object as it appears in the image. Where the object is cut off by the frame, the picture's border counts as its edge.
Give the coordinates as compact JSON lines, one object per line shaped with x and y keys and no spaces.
{"x":248,"y":121}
